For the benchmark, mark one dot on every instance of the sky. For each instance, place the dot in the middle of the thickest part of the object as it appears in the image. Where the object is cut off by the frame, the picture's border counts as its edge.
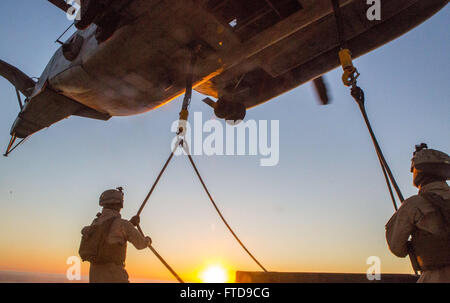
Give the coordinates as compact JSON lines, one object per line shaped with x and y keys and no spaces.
{"x":323,"y":208}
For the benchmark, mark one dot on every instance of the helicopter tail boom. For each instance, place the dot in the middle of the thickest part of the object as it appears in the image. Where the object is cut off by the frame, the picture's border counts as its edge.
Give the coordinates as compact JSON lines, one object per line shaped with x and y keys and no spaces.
{"x":32,"y":118}
{"x":17,"y":78}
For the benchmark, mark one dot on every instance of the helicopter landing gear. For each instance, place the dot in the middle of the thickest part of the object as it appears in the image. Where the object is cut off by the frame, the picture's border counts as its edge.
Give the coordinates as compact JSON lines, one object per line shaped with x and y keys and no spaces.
{"x":232,"y":112}
{"x":90,"y":9}
{"x":238,"y":112}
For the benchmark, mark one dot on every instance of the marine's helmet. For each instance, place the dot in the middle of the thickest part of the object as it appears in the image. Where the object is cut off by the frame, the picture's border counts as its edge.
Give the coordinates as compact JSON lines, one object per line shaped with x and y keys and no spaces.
{"x":431,"y":162}
{"x":112,"y":197}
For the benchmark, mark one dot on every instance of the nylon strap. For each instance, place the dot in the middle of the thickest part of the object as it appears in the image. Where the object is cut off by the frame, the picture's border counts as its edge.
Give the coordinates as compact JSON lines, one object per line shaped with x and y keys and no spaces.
{"x":183,"y":144}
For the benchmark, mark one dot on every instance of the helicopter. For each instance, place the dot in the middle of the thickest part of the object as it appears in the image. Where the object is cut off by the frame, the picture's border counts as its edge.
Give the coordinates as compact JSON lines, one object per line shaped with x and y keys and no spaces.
{"x":128,"y":57}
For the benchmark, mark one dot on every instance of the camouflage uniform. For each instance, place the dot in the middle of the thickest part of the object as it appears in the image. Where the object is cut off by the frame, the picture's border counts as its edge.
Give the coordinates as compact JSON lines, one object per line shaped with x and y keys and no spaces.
{"x":104,"y":242}
{"x":417,"y":213}
{"x":425,"y":218}
{"x":122,"y":231}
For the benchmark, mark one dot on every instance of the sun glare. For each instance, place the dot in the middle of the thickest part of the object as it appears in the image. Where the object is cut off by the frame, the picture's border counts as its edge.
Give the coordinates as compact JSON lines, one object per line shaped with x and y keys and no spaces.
{"x":214,"y":274}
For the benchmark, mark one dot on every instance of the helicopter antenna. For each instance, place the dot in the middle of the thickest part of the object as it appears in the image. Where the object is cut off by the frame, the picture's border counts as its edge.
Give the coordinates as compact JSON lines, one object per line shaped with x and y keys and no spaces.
{"x":59,"y":41}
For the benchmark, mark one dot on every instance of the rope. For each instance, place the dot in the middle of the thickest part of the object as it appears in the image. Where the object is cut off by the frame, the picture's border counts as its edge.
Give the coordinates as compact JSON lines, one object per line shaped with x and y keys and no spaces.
{"x":220,"y":214}
{"x":388,"y":184}
{"x":350,"y":79}
{"x":191,"y":160}
{"x":183,"y":117}
{"x":161,"y":258}
{"x":358,"y":94}
{"x":157,"y":179}
{"x":339,"y":23}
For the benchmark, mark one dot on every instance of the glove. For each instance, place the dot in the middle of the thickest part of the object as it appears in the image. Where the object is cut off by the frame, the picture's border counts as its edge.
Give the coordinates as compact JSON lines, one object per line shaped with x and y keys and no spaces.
{"x":149,"y":241}
{"x":135,"y":220}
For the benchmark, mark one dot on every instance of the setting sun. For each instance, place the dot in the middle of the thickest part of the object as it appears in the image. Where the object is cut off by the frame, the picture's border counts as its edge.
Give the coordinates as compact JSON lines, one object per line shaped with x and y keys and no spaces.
{"x":214,"y":274}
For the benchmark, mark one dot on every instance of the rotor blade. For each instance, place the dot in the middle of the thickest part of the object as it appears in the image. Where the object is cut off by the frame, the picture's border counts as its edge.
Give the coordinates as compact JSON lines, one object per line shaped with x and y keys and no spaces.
{"x":17,"y":78}
{"x":60,"y":4}
{"x":321,"y":90}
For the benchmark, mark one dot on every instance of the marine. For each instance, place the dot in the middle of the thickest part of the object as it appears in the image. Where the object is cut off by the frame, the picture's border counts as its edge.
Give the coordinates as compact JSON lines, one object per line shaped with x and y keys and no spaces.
{"x":104,"y":242}
{"x":421,"y":226}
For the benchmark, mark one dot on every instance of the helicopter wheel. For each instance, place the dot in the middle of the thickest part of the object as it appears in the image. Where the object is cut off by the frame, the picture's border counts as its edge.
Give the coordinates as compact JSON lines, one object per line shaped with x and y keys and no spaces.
{"x":223,"y":109}
{"x":89,"y":11}
{"x":238,"y":114}
{"x":230,"y":111}
{"x":106,"y":28}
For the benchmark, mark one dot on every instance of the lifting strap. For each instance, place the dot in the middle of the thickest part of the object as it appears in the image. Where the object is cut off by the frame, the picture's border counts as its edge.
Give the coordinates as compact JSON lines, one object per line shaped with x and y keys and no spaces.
{"x":184,"y":114}
{"x":161,"y":258}
{"x":221,"y":216}
{"x":183,"y":144}
{"x":349,"y":78}
{"x":358,"y":94}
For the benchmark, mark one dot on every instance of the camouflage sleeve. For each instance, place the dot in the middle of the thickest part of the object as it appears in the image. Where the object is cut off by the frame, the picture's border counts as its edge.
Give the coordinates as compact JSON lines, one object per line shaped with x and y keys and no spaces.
{"x":398,"y":230}
{"x":133,"y":236}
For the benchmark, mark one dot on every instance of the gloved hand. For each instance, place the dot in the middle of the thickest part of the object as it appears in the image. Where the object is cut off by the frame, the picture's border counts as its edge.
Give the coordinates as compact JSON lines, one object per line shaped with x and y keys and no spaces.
{"x":149,"y":241}
{"x":135,"y":220}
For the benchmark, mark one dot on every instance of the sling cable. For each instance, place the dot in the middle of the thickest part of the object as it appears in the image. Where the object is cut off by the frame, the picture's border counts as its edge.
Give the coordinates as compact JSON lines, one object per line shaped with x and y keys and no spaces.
{"x":349,"y":78}
{"x":181,"y":143}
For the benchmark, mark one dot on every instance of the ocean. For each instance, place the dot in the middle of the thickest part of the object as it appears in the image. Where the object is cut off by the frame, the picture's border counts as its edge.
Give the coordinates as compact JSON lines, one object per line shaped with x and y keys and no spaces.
{"x":37,"y":277}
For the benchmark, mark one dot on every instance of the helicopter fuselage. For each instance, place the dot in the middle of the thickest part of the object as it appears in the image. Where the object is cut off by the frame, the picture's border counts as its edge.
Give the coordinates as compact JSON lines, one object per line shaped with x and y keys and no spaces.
{"x":246,"y":56}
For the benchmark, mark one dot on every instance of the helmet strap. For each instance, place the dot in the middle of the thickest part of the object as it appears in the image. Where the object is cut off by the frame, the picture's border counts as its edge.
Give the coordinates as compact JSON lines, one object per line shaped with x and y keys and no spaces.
{"x":116,"y":207}
{"x":421,"y":179}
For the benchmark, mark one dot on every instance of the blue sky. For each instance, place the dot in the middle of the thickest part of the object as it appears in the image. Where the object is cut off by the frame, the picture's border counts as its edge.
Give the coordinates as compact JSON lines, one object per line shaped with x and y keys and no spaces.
{"x":323,"y":208}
